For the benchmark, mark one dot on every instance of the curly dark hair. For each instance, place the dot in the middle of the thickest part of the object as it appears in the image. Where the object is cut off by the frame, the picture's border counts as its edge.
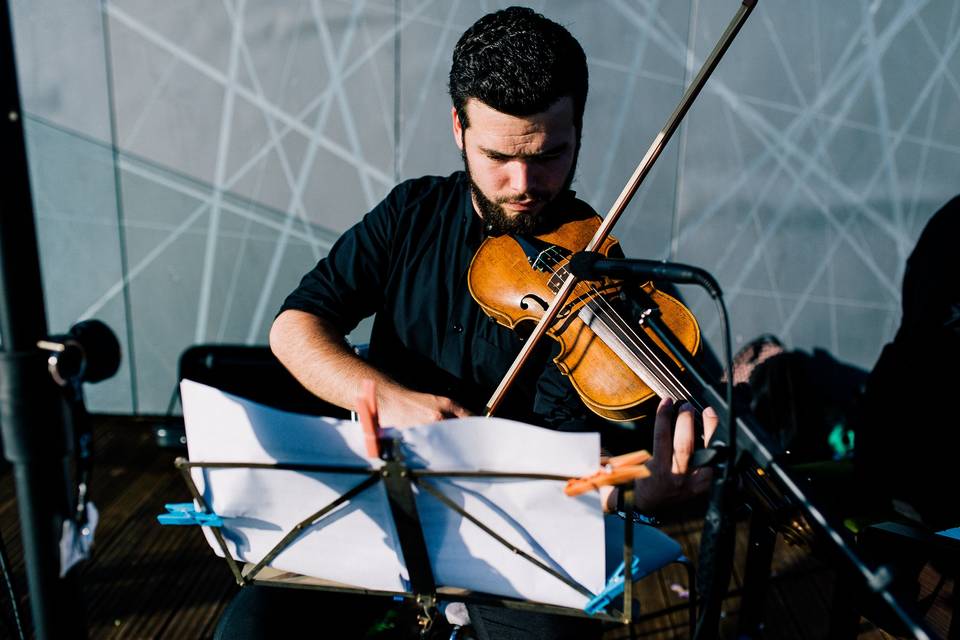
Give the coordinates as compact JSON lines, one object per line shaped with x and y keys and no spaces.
{"x":518,"y":62}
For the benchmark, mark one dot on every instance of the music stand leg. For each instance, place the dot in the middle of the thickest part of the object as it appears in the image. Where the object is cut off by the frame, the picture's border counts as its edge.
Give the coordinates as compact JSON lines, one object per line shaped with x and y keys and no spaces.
{"x":844,"y":617}
{"x":756,"y":576}
{"x":628,"y":555}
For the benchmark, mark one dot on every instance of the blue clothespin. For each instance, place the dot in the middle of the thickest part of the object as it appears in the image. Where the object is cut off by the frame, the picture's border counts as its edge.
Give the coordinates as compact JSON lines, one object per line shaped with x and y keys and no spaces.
{"x":613,"y":589}
{"x":184,"y":513}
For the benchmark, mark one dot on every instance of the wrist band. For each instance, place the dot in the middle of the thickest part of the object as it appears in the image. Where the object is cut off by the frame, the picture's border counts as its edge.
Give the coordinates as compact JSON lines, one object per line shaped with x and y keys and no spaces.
{"x":640,"y":518}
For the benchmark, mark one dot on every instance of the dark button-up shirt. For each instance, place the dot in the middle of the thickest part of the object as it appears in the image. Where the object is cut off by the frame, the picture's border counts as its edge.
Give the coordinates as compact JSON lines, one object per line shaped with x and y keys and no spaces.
{"x":406,"y":261}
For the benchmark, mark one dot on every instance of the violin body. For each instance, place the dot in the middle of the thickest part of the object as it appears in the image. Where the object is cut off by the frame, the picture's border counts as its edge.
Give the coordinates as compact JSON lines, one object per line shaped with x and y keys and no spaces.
{"x":514,"y":279}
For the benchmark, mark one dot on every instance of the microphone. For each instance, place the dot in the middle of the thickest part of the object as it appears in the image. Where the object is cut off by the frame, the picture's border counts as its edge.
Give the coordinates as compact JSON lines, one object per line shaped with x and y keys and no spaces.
{"x":590,"y":265}
{"x":89,"y":352}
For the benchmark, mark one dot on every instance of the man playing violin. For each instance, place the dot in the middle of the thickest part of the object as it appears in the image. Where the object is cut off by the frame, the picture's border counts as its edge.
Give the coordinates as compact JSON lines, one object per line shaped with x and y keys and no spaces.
{"x":518,"y":83}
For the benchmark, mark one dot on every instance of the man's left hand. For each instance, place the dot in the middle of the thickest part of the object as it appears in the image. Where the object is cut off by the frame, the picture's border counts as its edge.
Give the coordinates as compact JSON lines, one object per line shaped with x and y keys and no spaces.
{"x":671,"y":477}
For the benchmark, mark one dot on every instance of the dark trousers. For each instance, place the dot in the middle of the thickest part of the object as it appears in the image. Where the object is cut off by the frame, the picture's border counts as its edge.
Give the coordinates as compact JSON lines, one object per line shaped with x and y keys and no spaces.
{"x":270,"y":612}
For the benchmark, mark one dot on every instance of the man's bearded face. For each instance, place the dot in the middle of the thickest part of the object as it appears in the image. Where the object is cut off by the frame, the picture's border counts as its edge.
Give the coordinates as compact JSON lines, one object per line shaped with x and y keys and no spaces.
{"x":517,"y":165}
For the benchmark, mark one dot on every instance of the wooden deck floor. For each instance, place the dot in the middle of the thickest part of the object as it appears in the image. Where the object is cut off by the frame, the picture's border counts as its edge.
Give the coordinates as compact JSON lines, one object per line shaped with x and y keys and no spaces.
{"x":148,"y":581}
{"x":144,"y":581}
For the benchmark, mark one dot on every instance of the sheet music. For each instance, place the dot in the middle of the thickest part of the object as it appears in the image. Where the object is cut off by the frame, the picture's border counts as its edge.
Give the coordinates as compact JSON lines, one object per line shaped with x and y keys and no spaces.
{"x":354,"y":545}
{"x":358,"y":545}
{"x":564,"y":533}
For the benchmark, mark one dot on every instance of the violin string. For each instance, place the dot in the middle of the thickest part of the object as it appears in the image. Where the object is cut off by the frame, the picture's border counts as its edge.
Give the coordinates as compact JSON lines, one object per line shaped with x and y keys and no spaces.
{"x":625,"y":336}
{"x":641,"y":349}
{"x":666,"y":375}
{"x":611,"y":319}
{"x":605,"y":312}
{"x":640,"y":340}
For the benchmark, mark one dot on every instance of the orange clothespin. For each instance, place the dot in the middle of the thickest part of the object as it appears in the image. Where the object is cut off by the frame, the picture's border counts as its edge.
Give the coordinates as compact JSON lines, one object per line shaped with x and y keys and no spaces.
{"x":615,"y":470}
{"x":369,"y":418}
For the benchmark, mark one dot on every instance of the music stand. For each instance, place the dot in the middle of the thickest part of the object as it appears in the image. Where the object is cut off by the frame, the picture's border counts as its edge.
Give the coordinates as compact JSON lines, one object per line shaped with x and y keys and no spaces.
{"x":405,"y":482}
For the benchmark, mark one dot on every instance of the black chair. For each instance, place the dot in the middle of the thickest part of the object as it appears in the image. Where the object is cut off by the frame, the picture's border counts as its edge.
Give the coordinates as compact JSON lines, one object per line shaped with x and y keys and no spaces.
{"x":251,"y":372}
{"x":254,"y":373}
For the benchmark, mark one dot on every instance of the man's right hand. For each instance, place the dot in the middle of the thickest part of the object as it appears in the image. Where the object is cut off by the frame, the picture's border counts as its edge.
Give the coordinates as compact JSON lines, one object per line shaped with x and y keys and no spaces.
{"x":315,"y":352}
{"x":404,"y":408}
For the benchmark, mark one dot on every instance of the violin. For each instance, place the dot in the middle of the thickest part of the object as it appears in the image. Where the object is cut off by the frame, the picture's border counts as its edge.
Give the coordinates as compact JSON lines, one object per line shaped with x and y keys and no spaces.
{"x":613,"y":364}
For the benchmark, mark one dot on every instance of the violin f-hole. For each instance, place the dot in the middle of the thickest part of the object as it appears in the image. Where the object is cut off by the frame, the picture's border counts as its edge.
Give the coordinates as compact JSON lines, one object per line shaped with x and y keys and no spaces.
{"x":537,"y":299}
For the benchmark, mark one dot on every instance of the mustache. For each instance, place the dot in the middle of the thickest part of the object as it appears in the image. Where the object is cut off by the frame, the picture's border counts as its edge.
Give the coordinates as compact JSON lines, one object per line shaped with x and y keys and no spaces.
{"x":525,"y":198}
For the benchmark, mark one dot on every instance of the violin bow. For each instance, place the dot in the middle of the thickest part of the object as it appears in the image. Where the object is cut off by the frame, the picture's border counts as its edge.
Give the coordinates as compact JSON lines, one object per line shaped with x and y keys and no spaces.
{"x":639,"y":174}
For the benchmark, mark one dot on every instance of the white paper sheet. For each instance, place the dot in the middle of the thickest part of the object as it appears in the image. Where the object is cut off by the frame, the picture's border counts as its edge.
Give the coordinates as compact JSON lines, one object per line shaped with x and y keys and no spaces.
{"x":359,"y":546}
{"x":354,"y":545}
{"x":564,"y":533}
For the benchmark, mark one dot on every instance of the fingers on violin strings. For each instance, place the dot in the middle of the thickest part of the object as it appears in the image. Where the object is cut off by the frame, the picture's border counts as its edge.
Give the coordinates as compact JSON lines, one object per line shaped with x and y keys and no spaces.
{"x":683,"y":438}
{"x":710,"y":422}
{"x":663,"y":433}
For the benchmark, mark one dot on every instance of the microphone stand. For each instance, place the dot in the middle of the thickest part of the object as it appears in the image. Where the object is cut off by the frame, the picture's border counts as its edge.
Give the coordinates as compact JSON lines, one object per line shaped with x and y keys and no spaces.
{"x":748,"y":440}
{"x":31,"y":410}
{"x":718,"y":537}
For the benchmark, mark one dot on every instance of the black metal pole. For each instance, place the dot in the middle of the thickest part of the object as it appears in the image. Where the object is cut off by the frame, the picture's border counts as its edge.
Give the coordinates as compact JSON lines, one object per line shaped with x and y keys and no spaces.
{"x":753,"y":441}
{"x":31,"y":408}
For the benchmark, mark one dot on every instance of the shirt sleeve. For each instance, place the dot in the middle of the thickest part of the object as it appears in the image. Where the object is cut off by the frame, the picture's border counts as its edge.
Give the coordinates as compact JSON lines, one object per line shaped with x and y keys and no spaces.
{"x":348,"y":284}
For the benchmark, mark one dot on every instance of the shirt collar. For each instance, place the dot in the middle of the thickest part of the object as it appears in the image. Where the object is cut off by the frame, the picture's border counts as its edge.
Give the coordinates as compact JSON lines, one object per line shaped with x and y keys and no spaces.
{"x":473,"y":229}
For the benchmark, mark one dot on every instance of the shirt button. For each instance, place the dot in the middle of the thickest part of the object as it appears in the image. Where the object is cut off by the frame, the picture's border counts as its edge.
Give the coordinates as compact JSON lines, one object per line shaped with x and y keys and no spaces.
{"x":458,"y":327}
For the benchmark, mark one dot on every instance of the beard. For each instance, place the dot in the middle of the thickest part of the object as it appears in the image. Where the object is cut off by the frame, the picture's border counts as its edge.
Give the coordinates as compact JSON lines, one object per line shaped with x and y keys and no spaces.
{"x":498,"y":222}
